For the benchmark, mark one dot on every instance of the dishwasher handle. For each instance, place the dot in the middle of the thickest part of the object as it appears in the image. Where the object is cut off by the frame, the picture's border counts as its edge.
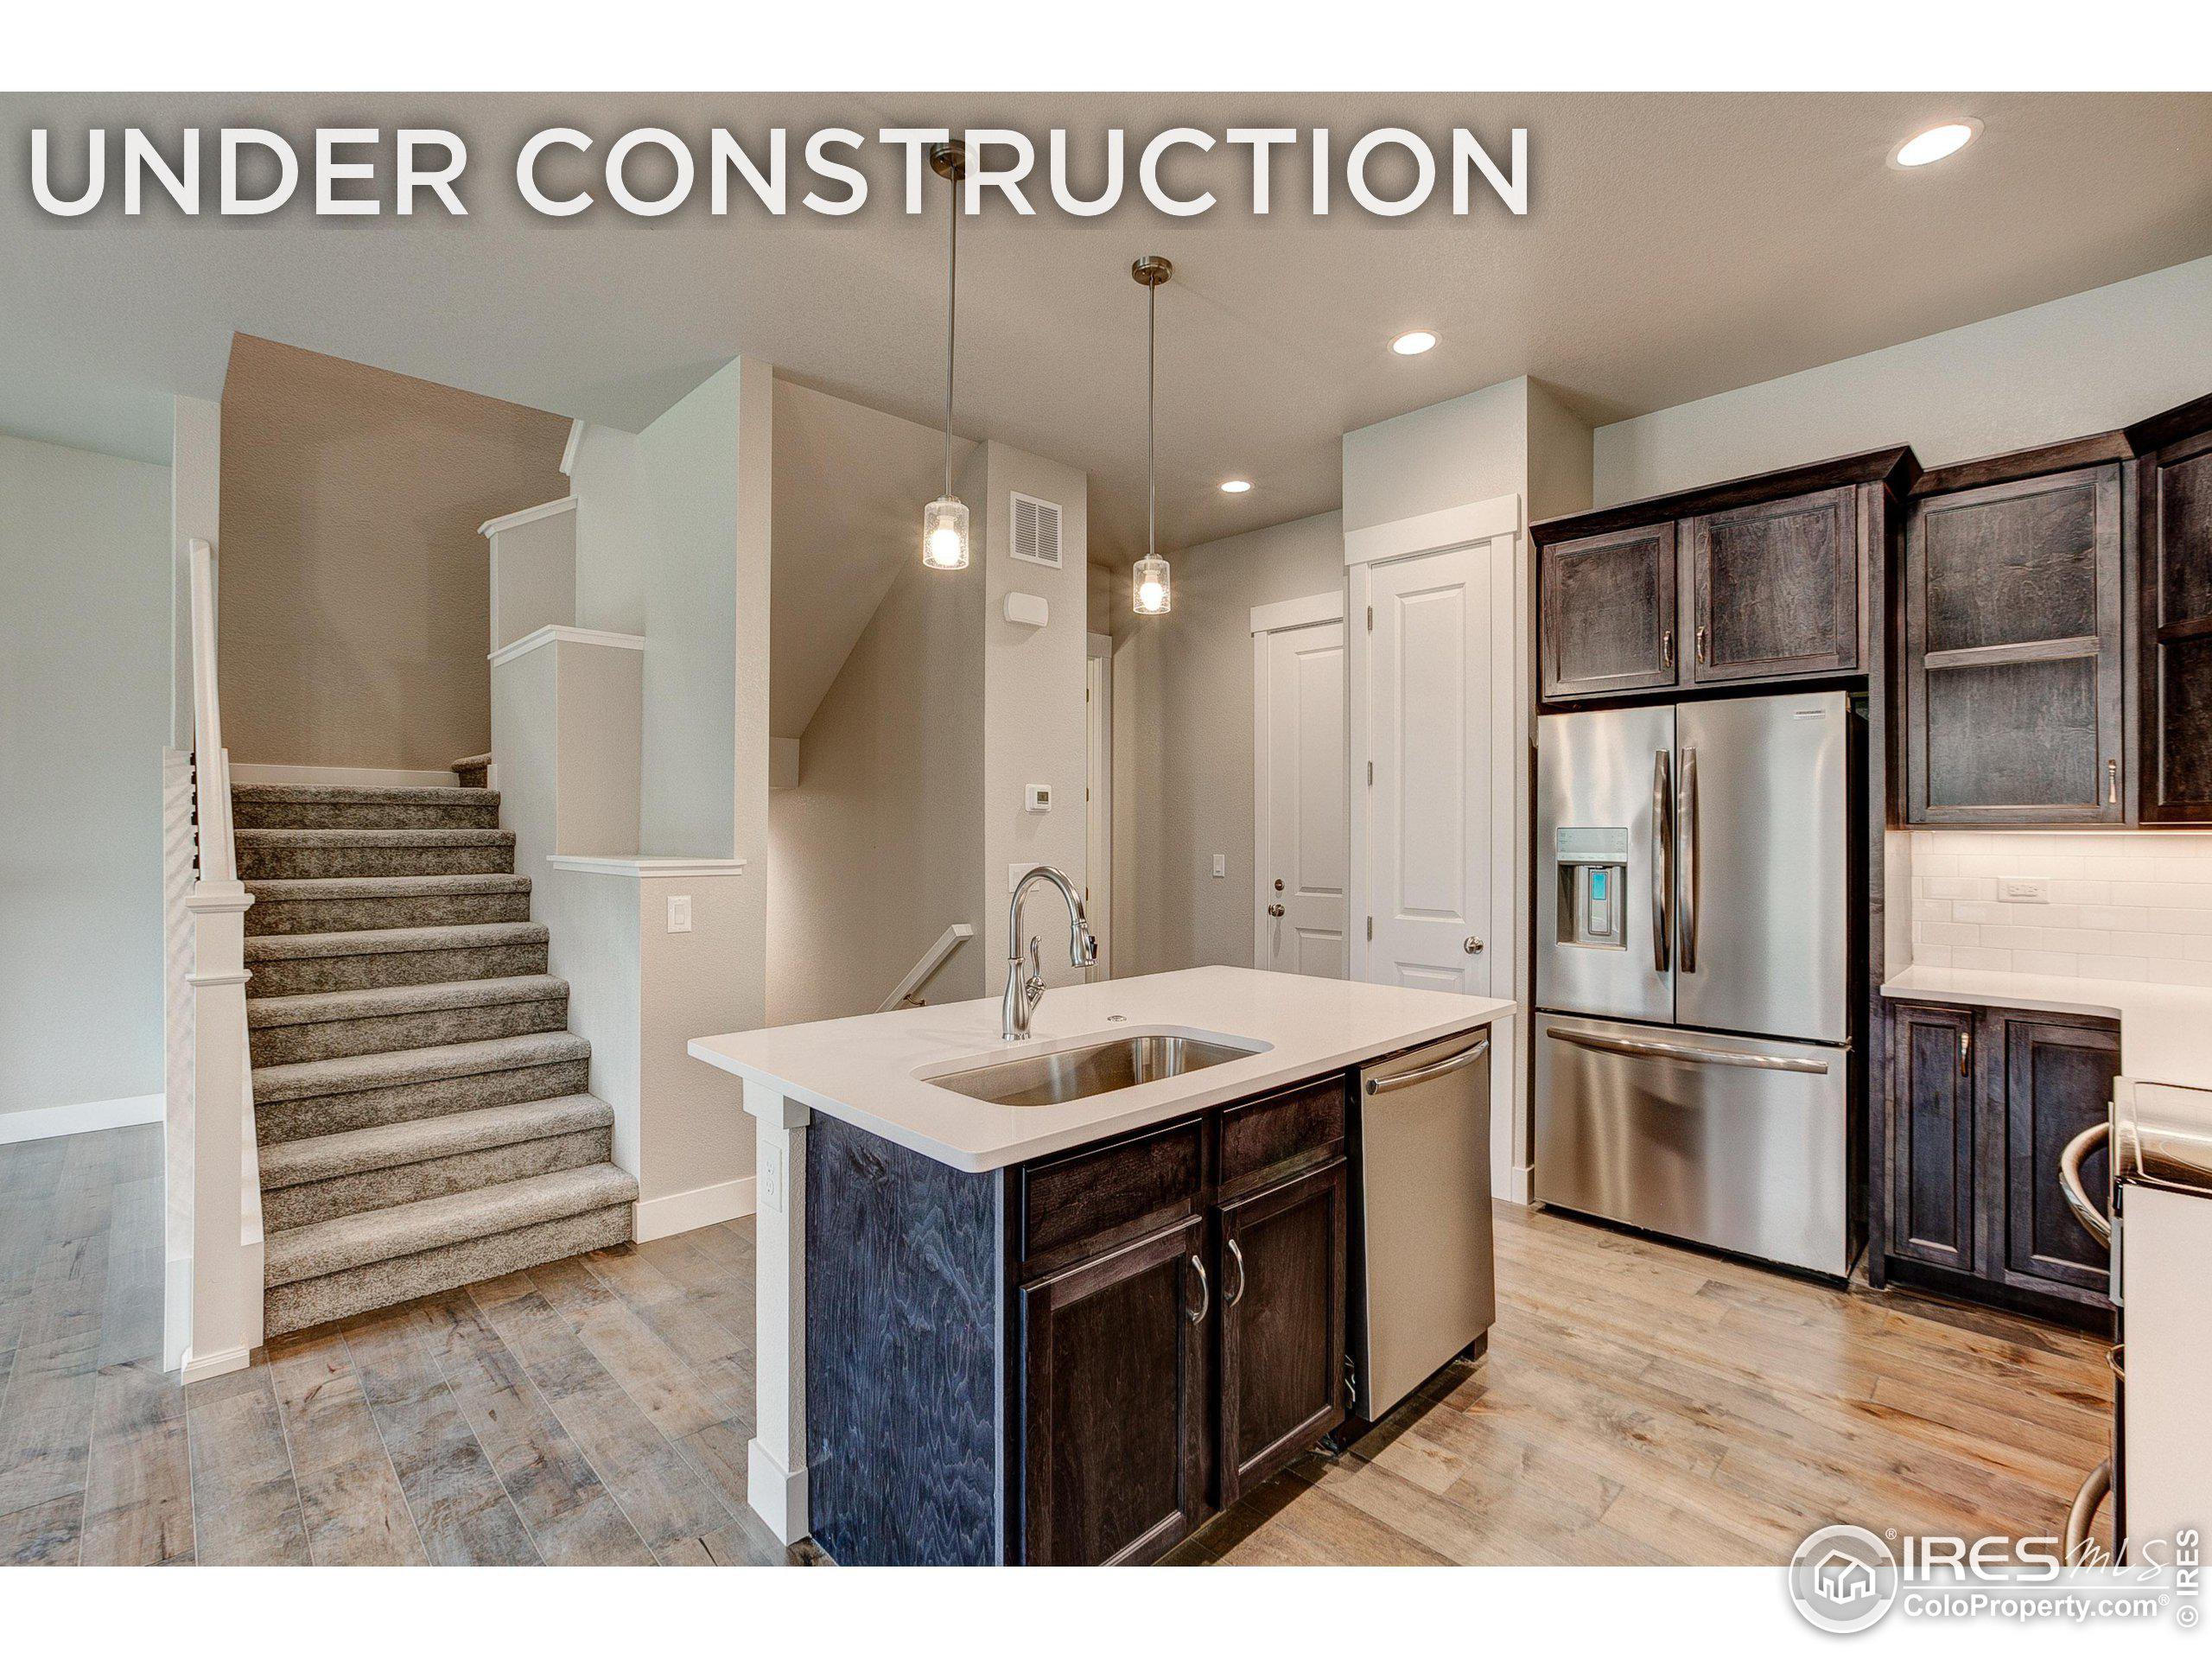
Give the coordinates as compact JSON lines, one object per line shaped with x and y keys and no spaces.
{"x":2094,"y":1221}
{"x":1423,"y":1073}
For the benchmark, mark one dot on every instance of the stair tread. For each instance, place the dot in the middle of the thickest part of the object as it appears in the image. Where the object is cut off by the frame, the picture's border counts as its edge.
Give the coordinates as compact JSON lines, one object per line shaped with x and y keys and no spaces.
{"x":455,"y":935}
{"x":387,"y":1146}
{"x":294,"y":888}
{"x":375,"y":1236}
{"x":436,"y":795}
{"x":379,"y":1001}
{"x":352,"y":1073}
{"x":428,"y":836}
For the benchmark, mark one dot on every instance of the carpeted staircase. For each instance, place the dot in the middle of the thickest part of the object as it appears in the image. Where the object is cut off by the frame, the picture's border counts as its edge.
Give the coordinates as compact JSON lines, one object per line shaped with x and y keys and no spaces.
{"x":419,"y":1099}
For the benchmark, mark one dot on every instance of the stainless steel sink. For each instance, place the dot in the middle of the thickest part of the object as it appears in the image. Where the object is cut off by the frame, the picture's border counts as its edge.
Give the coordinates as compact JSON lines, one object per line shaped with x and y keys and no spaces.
{"x":1096,"y":1069}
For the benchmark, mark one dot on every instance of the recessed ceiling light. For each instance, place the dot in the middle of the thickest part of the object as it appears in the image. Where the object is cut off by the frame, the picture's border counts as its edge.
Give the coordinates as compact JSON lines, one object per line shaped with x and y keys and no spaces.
{"x":1235,"y":485}
{"x":1935,"y":143}
{"x":1414,"y":343}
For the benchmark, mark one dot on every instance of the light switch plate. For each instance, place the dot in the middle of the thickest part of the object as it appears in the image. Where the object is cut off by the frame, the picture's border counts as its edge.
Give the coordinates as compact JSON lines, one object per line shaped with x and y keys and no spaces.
{"x":1221,"y":864}
{"x":679,"y":912}
{"x":2023,"y":889}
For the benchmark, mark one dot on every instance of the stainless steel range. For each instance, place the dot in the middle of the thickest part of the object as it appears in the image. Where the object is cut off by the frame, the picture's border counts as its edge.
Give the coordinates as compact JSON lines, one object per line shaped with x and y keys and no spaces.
{"x":1693,"y":972}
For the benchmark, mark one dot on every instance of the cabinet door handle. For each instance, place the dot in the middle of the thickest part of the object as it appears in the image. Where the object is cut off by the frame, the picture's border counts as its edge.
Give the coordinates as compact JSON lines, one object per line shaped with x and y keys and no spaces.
{"x":1230,"y":1298}
{"x":1666,"y":649}
{"x":1704,"y":660}
{"x":1965,"y":1050}
{"x":2112,"y":783}
{"x":1197,"y":1315}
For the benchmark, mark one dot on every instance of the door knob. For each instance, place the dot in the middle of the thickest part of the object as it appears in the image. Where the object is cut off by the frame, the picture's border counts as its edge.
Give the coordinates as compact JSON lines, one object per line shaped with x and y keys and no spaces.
{"x":1275,"y":909}
{"x":1471,"y":945}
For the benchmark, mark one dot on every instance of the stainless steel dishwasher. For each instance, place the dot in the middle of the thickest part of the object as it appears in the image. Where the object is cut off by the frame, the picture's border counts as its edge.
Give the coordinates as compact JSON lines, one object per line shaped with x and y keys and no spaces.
{"x":1426,"y":1288}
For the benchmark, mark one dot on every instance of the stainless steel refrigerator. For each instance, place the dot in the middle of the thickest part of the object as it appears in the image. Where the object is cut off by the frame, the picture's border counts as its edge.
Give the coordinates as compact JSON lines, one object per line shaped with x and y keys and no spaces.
{"x":1692,"y":964}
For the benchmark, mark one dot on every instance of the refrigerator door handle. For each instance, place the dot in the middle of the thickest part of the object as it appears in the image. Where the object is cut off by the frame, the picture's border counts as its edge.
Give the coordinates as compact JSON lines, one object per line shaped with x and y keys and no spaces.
{"x":1662,"y":856}
{"x":1687,"y":1053}
{"x":1689,"y":833}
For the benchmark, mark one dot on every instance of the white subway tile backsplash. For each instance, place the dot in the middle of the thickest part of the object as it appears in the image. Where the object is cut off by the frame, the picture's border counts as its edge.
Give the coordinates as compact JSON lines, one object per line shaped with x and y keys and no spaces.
{"x":2136,"y":905}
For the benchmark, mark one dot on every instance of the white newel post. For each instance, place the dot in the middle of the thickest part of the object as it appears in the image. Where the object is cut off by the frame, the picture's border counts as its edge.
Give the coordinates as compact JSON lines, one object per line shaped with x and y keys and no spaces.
{"x":226,"y":1289}
{"x":776,"y":1461}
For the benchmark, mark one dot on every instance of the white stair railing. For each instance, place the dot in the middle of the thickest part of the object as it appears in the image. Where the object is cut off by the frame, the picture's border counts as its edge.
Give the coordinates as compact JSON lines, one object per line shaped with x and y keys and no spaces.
{"x":226,"y":1296}
{"x":931,"y":960}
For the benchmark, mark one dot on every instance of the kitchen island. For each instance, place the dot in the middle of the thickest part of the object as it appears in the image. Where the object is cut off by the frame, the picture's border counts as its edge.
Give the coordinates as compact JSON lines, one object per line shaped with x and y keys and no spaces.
{"x":1000,"y":1324}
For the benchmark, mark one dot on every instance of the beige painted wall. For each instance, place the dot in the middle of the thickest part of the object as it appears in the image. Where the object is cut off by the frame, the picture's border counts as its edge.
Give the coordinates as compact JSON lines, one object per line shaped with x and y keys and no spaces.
{"x":355,"y":597}
{"x":1183,"y":743}
{"x":84,"y":715}
{"x":874,"y":854}
{"x":2084,"y":364}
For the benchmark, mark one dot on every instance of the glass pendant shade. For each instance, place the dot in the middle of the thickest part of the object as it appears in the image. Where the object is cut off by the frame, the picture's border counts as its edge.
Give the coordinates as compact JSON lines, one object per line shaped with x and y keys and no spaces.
{"x":945,"y":534}
{"x":1152,"y":593}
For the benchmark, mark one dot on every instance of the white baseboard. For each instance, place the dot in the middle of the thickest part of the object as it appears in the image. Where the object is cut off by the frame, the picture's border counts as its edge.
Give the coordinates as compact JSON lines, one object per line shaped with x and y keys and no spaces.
{"x":778,"y":1495}
{"x":198,"y":1368}
{"x":44,"y":1123}
{"x":1520,"y":1185}
{"x":703,"y":1206}
{"x":343,"y":777}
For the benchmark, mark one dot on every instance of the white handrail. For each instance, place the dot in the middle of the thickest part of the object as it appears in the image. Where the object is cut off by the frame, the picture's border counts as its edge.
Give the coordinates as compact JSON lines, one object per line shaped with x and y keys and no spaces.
{"x":931,"y":960}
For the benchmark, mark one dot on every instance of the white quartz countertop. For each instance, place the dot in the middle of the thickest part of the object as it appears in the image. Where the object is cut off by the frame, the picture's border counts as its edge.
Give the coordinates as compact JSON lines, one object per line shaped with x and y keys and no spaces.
{"x":2165,"y":1030}
{"x":862,"y":1070}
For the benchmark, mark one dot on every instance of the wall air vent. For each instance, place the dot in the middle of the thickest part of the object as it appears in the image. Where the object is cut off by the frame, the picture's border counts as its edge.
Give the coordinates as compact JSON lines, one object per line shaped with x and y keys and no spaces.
{"x":1036,"y":531}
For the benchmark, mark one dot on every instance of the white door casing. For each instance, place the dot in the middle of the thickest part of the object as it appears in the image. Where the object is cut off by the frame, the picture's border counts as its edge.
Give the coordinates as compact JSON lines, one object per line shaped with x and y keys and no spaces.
{"x":1098,"y":798}
{"x":1439,"y":842}
{"x":1300,"y":827}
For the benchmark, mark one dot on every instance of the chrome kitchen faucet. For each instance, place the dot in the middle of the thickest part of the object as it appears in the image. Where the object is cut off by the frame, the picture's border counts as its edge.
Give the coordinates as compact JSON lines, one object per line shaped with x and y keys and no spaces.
{"x":1025,"y":990}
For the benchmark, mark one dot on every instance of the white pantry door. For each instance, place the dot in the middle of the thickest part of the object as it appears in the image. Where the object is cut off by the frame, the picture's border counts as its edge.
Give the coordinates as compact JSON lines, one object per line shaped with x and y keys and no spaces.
{"x":1429,"y":730}
{"x":1301,"y":861}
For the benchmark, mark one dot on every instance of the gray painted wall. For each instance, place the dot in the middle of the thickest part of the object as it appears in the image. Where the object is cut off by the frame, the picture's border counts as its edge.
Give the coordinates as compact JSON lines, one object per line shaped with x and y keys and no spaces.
{"x":84,"y":714}
{"x":2084,"y":364}
{"x":1183,"y":718}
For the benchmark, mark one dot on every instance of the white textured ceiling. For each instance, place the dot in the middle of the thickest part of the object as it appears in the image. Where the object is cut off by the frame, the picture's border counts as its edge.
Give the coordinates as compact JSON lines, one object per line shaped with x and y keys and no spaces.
{"x":1679,"y":245}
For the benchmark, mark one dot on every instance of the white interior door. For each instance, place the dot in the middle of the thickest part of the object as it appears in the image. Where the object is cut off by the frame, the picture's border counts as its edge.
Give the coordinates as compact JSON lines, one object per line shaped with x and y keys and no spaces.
{"x":1428,"y":842}
{"x":1300,"y":859}
{"x":1098,"y":800}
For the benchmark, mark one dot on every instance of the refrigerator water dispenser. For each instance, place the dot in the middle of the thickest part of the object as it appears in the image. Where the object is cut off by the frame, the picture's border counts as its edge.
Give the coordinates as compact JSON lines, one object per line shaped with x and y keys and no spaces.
{"x":1592,"y":875}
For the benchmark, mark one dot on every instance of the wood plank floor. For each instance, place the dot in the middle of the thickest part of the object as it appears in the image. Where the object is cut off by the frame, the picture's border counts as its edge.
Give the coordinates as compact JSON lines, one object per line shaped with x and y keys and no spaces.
{"x":1638,"y":1403}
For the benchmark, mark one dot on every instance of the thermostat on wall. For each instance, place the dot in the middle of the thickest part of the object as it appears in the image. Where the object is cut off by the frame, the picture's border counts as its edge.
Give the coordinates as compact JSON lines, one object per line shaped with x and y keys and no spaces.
{"x":1039,"y":797}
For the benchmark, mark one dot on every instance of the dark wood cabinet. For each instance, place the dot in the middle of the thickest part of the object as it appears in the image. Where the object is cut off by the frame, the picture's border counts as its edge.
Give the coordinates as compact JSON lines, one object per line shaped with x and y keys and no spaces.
{"x":1114,"y":1410}
{"x":1931,"y":1196}
{"x":2173,"y":517}
{"x":2012,"y":652}
{"x":2058,"y":1080}
{"x":1283,"y":1256}
{"x":1607,"y":612}
{"x":1982,"y":1104}
{"x":1775,"y":588}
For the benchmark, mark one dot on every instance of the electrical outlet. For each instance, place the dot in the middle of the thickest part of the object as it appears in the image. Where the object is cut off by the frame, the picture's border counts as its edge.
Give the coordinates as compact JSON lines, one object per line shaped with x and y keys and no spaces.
{"x":1220,"y":864}
{"x":772,"y":1181}
{"x":679,"y":912}
{"x":2023,"y":889}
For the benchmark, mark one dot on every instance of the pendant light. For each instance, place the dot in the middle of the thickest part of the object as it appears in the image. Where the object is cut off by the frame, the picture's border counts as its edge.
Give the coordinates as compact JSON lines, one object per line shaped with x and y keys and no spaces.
{"x":944,"y":521}
{"x":1150,"y":590}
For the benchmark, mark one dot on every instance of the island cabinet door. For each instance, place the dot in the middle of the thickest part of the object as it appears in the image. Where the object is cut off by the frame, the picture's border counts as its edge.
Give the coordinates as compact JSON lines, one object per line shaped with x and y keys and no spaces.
{"x":1282,"y":1325}
{"x":1113,"y":1409}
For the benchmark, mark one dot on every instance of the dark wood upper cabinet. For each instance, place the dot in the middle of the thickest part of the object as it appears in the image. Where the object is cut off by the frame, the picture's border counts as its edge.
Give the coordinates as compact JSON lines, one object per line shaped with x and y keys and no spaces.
{"x":1775,"y":588}
{"x":2173,"y":496}
{"x":2058,"y":1079}
{"x":2012,"y":661}
{"x":1932,"y":1144}
{"x":1608,"y":613}
{"x":1283,"y":1261}
{"x":1114,"y":1417}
